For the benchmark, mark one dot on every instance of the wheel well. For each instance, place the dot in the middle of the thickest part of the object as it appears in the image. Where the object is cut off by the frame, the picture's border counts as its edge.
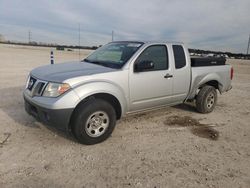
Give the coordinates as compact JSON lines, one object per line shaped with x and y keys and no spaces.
{"x":107,"y":97}
{"x":213,"y":83}
{"x":112,"y":100}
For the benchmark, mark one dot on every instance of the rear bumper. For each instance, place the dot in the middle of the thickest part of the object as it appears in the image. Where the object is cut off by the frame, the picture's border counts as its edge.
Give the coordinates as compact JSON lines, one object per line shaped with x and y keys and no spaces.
{"x":58,"y":118}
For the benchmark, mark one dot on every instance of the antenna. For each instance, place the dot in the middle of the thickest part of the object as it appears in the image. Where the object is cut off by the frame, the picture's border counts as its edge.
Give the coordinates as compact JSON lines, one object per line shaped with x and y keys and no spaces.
{"x":112,"y":35}
{"x":79,"y":40}
{"x":248,"y":45}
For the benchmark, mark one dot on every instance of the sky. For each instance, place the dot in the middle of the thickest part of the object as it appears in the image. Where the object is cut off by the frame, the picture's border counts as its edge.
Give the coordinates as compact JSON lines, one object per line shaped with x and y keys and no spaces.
{"x":222,"y":25}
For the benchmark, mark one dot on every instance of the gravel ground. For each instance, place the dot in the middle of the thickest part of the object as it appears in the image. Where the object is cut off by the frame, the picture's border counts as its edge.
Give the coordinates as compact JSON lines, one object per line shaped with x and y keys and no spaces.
{"x":171,"y":147}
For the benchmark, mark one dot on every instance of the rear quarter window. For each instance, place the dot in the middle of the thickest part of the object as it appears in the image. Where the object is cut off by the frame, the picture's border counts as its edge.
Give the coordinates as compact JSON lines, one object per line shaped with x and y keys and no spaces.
{"x":179,"y":56}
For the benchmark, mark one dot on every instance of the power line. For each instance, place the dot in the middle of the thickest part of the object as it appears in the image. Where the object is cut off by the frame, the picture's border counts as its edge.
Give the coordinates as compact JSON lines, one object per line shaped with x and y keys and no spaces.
{"x":248,"y":45}
{"x":79,"y":40}
{"x":29,"y":36}
{"x":112,"y":35}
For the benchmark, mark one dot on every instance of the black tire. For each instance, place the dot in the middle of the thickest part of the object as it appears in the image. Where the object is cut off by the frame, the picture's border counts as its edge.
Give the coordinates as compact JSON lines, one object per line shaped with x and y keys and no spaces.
{"x":87,"y":133}
{"x":206,"y":99}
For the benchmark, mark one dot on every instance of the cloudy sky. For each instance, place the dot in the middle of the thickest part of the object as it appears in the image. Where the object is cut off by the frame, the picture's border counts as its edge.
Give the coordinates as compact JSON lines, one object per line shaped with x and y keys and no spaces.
{"x":213,"y":24}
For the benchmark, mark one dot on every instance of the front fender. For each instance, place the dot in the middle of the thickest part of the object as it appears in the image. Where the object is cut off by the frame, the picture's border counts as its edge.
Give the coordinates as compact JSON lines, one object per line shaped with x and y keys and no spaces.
{"x":87,"y":89}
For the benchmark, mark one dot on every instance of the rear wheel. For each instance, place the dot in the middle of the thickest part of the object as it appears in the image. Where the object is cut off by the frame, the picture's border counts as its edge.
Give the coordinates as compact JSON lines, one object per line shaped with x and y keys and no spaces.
{"x":94,"y":121}
{"x":206,"y":99}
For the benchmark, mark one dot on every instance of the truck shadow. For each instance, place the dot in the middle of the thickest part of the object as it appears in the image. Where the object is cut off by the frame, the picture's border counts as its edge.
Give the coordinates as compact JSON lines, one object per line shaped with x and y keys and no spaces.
{"x":12,"y":104}
{"x":189,"y":106}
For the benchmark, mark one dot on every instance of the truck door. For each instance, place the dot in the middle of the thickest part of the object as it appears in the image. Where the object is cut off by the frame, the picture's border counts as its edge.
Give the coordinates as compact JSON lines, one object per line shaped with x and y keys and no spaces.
{"x":182,"y":72}
{"x":151,"y":79}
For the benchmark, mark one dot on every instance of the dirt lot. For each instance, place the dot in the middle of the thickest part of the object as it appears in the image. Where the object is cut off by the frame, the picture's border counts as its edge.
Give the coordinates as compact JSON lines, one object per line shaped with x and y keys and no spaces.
{"x":173,"y":147}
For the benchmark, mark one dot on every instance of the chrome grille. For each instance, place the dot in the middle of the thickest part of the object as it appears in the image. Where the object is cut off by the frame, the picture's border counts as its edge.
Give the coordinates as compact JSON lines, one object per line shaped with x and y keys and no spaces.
{"x":35,"y":87}
{"x":31,"y":83}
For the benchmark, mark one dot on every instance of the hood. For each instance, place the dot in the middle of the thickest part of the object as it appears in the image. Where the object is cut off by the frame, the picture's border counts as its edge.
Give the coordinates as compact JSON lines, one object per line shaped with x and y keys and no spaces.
{"x":64,"y":71}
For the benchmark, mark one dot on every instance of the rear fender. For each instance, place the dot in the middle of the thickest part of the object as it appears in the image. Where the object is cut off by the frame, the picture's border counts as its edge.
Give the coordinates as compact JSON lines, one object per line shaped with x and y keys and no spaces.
{"x":202,"y":80}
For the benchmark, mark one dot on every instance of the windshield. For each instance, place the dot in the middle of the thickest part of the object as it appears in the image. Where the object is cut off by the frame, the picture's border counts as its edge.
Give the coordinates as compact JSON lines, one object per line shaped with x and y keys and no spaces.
{"x":114,"y":55}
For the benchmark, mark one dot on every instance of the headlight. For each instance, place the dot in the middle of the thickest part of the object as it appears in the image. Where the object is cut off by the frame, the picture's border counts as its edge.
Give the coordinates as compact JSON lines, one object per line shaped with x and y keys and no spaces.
{"x":55,"y":89}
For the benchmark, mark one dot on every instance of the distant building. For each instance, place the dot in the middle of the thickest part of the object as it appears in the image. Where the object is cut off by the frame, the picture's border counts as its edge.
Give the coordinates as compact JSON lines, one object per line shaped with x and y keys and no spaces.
{"x":2,"y":38}
{"x":210,"y":55}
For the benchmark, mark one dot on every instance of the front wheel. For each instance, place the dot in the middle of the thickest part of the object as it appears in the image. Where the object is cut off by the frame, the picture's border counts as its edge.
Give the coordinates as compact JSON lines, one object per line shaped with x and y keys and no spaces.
{"x":206,"y":99}
{"x":94,"y":121}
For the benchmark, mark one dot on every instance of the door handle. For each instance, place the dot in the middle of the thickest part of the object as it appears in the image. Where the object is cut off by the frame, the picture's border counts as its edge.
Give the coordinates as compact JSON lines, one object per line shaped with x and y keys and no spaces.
{"x":168,"y":76}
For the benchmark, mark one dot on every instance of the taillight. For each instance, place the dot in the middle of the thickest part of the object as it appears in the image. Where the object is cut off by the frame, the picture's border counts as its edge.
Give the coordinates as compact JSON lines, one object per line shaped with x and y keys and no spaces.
{"x":232,"y":73}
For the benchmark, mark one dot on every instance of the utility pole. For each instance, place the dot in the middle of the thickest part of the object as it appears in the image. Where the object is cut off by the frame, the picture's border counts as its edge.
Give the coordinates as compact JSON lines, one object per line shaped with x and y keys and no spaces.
{"x":79,"y":40}
{"x":112,"y":35}
{"x":29,"y":36}
{"x":248,"y":45}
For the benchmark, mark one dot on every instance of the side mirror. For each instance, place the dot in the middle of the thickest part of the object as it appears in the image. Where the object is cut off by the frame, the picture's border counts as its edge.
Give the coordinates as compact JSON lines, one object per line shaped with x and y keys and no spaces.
{"x":143,"y":65}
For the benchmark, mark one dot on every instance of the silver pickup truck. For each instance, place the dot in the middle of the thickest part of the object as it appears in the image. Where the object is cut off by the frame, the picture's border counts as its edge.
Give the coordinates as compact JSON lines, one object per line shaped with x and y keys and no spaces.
{"x":120,"y":78}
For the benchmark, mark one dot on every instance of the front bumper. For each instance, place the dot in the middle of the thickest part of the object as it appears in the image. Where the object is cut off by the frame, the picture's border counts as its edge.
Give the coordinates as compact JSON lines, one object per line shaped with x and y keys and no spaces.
{"x":229,"y":88}
{"x":58,"y":118}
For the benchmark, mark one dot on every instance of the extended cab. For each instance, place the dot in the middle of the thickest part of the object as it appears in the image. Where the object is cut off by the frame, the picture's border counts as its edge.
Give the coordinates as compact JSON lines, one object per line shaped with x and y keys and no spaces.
{"x":118,"y":79}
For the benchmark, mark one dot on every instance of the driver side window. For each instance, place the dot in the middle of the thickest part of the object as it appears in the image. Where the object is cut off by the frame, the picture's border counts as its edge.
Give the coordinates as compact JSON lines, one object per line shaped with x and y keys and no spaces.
{"x":157,"y":54}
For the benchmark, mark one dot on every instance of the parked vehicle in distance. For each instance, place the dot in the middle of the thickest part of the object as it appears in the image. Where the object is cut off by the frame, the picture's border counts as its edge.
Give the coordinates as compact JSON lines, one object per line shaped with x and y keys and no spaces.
{"x":118,"y":79}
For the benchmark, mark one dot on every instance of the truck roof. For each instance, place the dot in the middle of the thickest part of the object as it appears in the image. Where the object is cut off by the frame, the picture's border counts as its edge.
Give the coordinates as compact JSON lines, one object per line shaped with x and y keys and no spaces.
{"x":151,"y":42}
